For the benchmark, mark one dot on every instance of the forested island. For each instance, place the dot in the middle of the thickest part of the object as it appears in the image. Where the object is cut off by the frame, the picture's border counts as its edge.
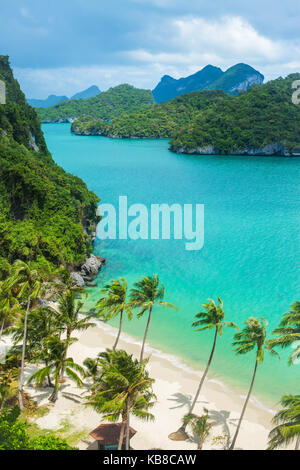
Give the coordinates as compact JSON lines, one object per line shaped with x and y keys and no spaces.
{"x":107,"y":105}
{"x":261,"y":121}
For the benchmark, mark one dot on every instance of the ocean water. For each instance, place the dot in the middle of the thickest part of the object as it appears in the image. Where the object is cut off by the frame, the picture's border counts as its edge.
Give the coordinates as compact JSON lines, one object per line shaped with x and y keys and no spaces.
{"x":250,"y":256}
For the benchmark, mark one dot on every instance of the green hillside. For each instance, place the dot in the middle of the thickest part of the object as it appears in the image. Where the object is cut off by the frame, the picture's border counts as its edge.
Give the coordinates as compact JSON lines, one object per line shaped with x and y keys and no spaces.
{"x":160,"y":120}
{"x":45,"y":213}
{"x":215,"y":122}
{"x":107,"y":105}
{"x":264,"y":116}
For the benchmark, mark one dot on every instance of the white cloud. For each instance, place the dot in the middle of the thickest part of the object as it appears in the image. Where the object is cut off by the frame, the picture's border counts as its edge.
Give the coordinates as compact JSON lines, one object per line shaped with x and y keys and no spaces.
{"x":192,"y":43}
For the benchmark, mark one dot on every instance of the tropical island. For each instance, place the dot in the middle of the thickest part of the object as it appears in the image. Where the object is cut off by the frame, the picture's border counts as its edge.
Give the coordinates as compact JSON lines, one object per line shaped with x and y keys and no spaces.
{"x":261,"y":121}
{"x":106,"y":105}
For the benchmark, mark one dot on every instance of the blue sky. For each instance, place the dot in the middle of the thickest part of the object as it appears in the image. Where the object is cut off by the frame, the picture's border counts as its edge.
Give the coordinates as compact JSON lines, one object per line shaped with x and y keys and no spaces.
{"x":63,"y":46}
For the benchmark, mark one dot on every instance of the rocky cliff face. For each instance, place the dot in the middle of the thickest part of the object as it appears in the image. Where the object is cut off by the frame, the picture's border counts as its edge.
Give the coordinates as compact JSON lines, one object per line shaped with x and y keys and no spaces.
{"x":271,"y":150}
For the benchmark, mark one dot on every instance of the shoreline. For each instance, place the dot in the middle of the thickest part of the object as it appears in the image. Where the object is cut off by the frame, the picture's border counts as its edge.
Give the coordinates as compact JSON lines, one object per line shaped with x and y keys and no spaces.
{"x":175,"y":385}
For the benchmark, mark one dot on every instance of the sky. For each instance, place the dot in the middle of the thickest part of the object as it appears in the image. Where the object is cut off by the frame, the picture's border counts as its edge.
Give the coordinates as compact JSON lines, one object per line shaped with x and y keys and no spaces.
{"x":64,"y":46}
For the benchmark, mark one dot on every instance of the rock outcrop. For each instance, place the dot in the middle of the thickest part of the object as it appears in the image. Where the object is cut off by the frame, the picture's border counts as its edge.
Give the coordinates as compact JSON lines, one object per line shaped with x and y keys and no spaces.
{"x":88,"y":271}
{"x":276,"y":149}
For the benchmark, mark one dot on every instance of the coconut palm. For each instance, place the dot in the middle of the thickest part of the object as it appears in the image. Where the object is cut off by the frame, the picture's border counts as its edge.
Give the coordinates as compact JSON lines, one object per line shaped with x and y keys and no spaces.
{"x":124,"y":388}
{"x":145,"y":295}
{"x":200,"y":426}
{"x":57,"y":361}
{"x":288,"y":332}
{"x":253,"y":336}
{"x":212,"y":318}
{"x":92,"y":370}
{"x":68,"y":318}
{"x":42,"y":324}
{"x":287,"y":422}
{"x":29,"y":285}
{"x":113,"y":303}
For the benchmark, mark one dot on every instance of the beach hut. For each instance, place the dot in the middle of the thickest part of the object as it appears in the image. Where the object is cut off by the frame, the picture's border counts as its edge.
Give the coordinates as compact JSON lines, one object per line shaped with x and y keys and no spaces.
{"x":107,"y":435}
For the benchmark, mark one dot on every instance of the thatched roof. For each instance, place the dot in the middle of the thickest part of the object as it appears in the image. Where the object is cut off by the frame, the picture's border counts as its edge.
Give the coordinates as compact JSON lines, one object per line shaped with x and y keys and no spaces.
{"x":108,"y":434}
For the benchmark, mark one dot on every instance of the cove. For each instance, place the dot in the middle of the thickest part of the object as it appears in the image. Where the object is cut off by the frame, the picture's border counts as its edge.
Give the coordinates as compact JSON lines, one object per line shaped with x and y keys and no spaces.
{"x":250,"y":252}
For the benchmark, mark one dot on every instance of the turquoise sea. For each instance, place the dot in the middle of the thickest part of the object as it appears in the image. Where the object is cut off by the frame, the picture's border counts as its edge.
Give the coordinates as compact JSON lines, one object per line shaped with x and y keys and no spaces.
{"x":250,"y":256}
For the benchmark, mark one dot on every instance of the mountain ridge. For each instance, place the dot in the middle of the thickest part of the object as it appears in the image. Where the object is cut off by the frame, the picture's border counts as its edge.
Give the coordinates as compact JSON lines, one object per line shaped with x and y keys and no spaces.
{"x":239,"y":77}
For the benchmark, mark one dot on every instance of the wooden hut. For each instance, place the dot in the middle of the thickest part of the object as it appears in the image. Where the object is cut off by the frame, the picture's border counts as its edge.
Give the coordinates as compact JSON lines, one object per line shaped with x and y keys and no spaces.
{"x":107,"y":435}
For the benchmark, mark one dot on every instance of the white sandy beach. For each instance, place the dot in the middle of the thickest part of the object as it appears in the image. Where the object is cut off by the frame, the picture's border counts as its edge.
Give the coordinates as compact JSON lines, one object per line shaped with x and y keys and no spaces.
{"x":174,"y":387}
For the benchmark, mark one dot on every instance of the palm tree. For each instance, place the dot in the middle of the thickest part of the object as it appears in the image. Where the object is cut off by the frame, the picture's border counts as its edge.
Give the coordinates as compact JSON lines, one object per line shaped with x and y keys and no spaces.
{"x":287,"y":423}
{"x":92,"y":369}
{"x":147,"y":293}
{"x":124,"y":388}
{"x":68,"y":317}
{"x":288,"y":332}
{"x":29,"y":284}
{"x":40,"y":326}
{"x":253,"y":336}
{"x":200,"y":426}
{"x":211,"y":318}
{"x":114,"y":303}
{"x":57,"y":361}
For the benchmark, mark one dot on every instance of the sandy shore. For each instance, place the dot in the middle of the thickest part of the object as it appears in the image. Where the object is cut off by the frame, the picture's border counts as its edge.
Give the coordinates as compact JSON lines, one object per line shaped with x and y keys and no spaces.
{"x":174,"y":387}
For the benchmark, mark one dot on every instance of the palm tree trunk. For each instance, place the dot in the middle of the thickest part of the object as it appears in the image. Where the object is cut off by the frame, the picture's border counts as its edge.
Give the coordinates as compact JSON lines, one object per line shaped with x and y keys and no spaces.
{"x":205,"y":373}
{"x":53,"y":396}
{"x":119,"y":332}
{"x":145,"y":335}
{"x":244,"y":408}
{"x":65,"y":355}
{"x":297,"y":443}
{"x":127,"y":424}
{"x":122,"y":432}
{"x":2,"y":327}
{"x":21,"y":379}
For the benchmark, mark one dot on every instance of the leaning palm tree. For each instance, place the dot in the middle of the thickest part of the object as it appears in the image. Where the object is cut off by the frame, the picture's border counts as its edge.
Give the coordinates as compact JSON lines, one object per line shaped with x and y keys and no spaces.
{"x":57,"y":361}
{"x":29,"y":285}
{"x":288,"y":332}
{"x":287,"y":422}
{"x":114,"y":303}
{"x":145,"y":294}
{"x":253,"y":336}
{"x":211,"y":318}
{"x":200,"y":426}
{"x":68,"y":318}
{"x":124,"y":389}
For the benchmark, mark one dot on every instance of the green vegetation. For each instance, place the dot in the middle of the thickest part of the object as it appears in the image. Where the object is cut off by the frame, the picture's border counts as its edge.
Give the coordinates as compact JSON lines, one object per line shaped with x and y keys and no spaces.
{"x":45,"y":213}
{"x":215,"y":122}
{"x":144,"y":296}
{"x":107,"y":105}
{"x":14,"y":435}
{"x":160,"y":120}
{"x":124,"y":388}
{"x":264,"y":115}
{"x":114,"y":303}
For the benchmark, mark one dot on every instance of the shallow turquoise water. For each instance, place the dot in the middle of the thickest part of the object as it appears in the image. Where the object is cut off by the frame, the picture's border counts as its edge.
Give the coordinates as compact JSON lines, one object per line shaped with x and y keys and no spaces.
{"x":251,"y":245}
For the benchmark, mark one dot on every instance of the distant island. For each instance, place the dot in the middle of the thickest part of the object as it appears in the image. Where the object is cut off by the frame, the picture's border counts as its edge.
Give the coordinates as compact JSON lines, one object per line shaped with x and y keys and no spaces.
{"x":261,"y":121}
{"x":107,"y":105}
{"x":238,"y":78}
{"x":52,"y":100}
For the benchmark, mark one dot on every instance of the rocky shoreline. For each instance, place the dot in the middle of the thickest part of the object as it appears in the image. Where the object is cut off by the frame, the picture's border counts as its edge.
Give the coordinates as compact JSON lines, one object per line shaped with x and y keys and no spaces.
{"x":85,"y":276}
{"x":276,"y":149}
